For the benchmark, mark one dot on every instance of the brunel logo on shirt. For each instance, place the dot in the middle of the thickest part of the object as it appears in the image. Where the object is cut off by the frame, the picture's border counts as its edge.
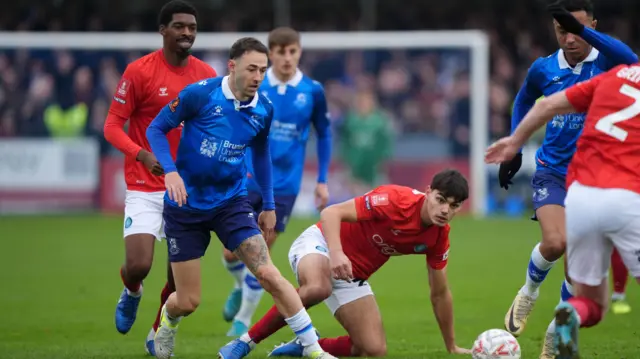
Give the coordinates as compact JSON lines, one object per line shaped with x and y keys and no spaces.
{"x":223,"y":150}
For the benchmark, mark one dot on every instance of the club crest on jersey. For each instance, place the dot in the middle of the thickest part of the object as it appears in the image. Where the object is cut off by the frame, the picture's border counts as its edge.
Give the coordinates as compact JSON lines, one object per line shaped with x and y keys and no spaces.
{"x":174,"y":104}
{"x":380,"y":200}
{"x":128,"y":222}
{"x":301,"y":100}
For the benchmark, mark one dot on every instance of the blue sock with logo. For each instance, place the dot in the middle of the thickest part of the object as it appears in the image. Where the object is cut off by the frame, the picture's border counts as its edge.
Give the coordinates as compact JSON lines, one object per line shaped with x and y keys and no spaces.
{"x":536,"y":272}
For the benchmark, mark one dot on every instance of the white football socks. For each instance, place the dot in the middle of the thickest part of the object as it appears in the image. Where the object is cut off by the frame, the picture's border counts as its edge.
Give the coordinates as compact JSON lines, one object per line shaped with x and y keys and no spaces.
{"x":251,"y":294}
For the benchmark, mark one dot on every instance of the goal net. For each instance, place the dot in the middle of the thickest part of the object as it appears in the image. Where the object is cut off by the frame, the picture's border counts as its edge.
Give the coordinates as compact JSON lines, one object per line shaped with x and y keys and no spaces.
{"x":430,"y":89}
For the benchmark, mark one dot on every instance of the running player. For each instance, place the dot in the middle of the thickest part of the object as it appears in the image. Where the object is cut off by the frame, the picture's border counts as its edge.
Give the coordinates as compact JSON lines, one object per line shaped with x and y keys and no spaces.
{"x":147,"y":85}
{"x":583,"y":54}
{"x":603,"y":200}
{"x":299,"y":102}
{"x":334,"y":258}
{"x":206,"y":189}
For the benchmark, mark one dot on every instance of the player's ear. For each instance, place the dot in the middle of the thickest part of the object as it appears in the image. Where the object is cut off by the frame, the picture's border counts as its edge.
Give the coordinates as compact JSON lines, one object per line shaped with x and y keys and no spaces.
{"x":162,"y":30}
{"x":231,"y":65}
{"x":594,"y":23}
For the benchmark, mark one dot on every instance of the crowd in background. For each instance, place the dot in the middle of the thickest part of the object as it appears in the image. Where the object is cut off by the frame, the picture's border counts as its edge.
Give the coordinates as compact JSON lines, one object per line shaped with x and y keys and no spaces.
{"x":67,"y":93}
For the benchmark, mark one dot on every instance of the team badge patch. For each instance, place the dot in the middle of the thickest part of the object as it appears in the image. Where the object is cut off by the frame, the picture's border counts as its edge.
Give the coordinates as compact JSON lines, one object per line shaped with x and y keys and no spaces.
{"x":128,"y":222}
{"x":174,"y":104}
{"x":380,"y":200}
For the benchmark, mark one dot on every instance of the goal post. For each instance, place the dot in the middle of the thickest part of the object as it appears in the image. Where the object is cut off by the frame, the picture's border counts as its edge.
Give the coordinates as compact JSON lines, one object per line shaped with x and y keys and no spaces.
{"x":477,"y":42}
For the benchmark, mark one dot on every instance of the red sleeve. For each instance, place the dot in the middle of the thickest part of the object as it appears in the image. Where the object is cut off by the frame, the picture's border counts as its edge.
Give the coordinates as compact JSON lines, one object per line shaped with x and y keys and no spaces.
{"x":124,"y":100}
{"x":377,"y":204}
{"x":438,"y":256}
{"x":122,"y":106}
{"x":580,"y":95}
{"x":114,"y":133}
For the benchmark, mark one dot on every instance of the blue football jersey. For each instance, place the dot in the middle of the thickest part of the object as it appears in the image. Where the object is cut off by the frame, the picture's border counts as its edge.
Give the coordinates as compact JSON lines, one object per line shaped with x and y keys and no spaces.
{"x":218,"y":130}
{"x":547,"y":76}
{"x":298,"y":104}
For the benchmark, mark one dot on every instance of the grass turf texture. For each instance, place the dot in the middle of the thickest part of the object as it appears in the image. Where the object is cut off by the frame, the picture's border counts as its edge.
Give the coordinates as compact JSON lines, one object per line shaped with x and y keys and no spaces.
{"x":60,"y":285}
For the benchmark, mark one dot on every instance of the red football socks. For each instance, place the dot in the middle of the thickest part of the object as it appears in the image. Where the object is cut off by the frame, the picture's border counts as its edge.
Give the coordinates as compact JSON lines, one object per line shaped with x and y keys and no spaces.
{"x":164,"y":295}
{"x":620,"y":272}
{"x":339,"y":347}
{"x":132,"y":287}
{"x":589,"y":311}
{"x":267,"y":325}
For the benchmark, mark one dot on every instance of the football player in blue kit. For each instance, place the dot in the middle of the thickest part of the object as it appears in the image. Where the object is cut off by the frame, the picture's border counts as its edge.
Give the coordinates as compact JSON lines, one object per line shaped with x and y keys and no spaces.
{"x":299,"y":103}
{"x":206,"y":190}
{"x":583,"y":54}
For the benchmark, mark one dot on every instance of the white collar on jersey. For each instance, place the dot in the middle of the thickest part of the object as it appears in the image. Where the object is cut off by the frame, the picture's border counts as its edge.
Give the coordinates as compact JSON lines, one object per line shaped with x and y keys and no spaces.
{"x":562,"y":61}
{"x":226,"y":90}
{"x":274,"y":81}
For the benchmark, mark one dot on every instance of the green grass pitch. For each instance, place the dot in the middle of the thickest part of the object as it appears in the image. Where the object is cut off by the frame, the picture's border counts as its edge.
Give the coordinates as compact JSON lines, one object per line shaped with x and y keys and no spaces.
{"x":60,"y":285}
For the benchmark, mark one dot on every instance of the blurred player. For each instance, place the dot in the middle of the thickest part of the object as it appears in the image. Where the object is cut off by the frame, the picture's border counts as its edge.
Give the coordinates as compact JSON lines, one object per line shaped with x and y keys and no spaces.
{"x":583,"y":54}
{"x":147,"y":85}
{"x":620,"y":274}
{"x":206,"y":189}
{"x":298,"y":103}
{"x":334,"y":258}
{"x":603,"y":200}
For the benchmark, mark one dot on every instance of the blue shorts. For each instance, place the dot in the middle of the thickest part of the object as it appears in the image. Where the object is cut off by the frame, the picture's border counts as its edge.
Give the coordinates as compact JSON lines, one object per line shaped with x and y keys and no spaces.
{"x":284,"y":207}
{"x":188,"y":232}
{"x":548,"y":188}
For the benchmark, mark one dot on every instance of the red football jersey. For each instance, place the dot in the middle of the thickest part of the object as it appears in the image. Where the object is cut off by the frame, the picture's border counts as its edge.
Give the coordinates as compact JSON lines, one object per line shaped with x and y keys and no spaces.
{"x":389,"y":224}
{"x":146,"y":86}
{"x":608,"y":150}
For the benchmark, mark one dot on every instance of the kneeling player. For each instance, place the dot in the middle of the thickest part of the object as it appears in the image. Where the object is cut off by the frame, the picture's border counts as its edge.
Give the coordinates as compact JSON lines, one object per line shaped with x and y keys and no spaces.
{"x":603,"y":200}
{"x":334,"y":258}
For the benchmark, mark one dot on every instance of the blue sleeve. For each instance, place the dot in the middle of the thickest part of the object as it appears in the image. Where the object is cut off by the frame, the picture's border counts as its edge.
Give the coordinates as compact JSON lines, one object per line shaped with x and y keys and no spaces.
{"x":615,"y":51}
{"x":182,"y":108}
{"x":322,"y":125}
{"x":262,"y":164}
{"x":527,"y":96}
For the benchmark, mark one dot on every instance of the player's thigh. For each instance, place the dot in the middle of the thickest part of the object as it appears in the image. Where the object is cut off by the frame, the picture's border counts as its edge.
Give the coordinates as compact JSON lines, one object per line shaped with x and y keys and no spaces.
{"x":588,"y":246}
{"x":188,"y":235}
{"x":361,"y":318}
{"x":309,"y":260}
{"x":626,"y":238}
{"x":549,"y":193}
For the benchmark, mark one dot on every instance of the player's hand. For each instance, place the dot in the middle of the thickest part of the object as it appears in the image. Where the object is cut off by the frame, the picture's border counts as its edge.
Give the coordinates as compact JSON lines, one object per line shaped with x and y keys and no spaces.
{"x":149,"y":160}
{"x":505,"y":153}
{"x":322,"y":196}
{"x":267,"y":224}
{"x":175,"y":188}
{"x":566,"y":20}
{"x":341,"y":266}
{"x":458,"y":350}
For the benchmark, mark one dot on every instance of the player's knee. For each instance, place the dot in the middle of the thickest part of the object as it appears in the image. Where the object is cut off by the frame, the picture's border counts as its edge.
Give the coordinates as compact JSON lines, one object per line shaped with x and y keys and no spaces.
{"x":553,"y":245}
{"x":137,"y":268}
{"x":229,"y":256}
{"x":269,"y":277}
{"x":188,"y":303}
{"x":315,"y":293}
{"x":372,"y":349}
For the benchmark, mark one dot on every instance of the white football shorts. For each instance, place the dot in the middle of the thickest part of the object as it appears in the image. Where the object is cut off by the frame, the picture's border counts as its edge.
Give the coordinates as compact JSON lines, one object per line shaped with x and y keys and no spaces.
{"x":143,"y":213}
{"x":311,"y":241}
{"x":598,"y":220}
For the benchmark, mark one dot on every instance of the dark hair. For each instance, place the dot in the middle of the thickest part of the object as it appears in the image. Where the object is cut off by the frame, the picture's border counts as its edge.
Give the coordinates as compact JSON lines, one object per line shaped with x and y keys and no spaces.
{"x":175,"y":7}
{"x":283,"y":36}
{"x":578,"y":5}
{"x":451,"y":184}
{"x":244,"y":45}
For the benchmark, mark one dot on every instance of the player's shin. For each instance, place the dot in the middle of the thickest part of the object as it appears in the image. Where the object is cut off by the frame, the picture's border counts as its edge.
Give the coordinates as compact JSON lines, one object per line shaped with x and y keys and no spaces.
{"x":537,"y":272}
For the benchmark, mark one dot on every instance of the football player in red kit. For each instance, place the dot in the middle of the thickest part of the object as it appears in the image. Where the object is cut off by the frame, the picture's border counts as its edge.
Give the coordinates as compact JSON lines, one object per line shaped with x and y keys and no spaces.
{"x":147,"y":85}
{"x":603,"y":198}
{"x":334,"y":258}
